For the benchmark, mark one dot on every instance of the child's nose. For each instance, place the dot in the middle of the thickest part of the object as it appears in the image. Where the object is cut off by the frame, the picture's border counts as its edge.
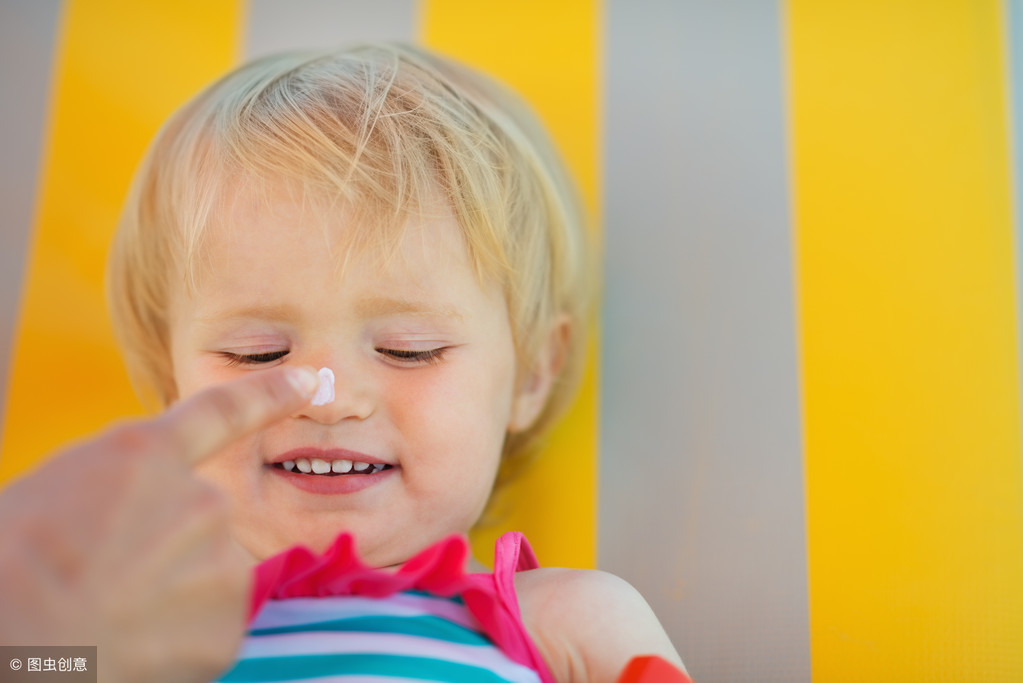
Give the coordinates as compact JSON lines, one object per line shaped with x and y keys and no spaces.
{"x":340,"y":396}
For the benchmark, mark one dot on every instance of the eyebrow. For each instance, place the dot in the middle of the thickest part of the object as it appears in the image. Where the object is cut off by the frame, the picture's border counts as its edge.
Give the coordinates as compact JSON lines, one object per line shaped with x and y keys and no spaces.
{"x":366,"y":308}
{"x":380,"y":306}
{"x":261,"y":312}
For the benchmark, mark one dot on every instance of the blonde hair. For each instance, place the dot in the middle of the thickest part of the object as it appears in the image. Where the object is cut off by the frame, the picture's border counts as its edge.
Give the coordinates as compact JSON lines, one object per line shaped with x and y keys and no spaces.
{"x":383,"y":129}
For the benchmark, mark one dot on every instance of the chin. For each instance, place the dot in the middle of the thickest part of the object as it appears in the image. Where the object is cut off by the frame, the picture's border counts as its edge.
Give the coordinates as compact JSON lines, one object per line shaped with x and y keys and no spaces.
{"x":262,"y":547}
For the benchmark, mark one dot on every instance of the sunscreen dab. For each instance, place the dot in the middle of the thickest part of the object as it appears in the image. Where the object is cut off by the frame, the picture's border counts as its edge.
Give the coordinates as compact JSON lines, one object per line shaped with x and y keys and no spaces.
{"x":325,"y":392}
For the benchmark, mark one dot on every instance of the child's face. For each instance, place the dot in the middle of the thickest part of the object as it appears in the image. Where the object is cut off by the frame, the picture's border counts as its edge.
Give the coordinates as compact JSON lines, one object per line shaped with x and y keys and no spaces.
{"x":425,"y":378}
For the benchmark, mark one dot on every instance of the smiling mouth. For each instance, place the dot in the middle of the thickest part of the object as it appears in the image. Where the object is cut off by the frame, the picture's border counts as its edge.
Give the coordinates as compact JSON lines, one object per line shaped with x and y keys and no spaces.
{"x":329,"y":468}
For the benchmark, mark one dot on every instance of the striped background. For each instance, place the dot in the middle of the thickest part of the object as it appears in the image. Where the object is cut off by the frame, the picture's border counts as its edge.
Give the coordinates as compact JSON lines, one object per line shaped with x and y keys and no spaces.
{"x":806,"y":370}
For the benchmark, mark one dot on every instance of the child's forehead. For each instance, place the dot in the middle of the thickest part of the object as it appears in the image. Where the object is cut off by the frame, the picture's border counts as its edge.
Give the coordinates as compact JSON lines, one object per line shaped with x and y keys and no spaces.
{"x":292,"y":208}
{"x":343,"y":210}
{"x":265,"y":254}
{"x":258,"y":220}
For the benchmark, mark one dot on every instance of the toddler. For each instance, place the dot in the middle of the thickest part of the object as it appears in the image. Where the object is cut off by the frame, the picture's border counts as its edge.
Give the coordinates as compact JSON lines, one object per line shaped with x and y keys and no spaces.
{"x":401,"y":222}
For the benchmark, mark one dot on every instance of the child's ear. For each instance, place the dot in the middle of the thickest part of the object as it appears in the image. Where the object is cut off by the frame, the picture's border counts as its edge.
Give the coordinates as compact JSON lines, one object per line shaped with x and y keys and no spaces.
{"x":536,"y":382}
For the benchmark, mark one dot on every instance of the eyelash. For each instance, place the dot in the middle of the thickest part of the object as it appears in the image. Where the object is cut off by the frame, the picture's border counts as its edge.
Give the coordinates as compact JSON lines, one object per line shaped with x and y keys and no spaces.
{"x":400,"y":355}
{"x":234,"y":359}
{"x":407,"y":356}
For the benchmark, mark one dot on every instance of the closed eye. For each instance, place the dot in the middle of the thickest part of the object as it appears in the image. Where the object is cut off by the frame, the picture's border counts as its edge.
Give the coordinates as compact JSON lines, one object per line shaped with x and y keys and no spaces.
{"x":234,"y":359}
{"x":409,"y":356}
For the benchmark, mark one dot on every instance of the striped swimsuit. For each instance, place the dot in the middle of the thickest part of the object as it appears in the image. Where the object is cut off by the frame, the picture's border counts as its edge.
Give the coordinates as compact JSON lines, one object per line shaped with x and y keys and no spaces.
{"x":332,"y":618}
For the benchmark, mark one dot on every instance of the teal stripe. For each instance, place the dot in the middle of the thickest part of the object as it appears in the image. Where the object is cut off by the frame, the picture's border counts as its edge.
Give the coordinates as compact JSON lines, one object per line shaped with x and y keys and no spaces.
{"x":423,"y":627}
{"x":457,"y":599}
{"x":299,"y":667}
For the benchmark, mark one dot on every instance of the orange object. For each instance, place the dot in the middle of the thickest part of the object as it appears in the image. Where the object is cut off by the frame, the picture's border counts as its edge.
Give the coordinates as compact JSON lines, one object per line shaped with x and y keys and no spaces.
{"x":651,"y":669}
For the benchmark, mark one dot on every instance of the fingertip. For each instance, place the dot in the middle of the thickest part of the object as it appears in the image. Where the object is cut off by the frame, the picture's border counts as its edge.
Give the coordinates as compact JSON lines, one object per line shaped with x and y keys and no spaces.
{"x":304,"y":379}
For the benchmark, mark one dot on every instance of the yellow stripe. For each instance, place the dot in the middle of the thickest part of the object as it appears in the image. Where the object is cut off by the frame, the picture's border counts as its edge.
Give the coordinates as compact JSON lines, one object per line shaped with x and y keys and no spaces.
{"x":122,"y":67}
{"x":908,"y":331}
{"x":549,"y":52}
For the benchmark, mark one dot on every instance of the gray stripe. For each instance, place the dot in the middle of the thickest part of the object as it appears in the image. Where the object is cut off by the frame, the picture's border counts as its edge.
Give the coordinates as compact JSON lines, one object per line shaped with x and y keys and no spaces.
{"x":274,"y":26}
{"x":701,"y":498}
{"x":28,"y":31}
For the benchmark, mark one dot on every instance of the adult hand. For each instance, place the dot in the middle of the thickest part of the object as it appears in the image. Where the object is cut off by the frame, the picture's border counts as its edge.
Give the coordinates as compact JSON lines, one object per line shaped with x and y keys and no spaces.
{"x":115,"y":543}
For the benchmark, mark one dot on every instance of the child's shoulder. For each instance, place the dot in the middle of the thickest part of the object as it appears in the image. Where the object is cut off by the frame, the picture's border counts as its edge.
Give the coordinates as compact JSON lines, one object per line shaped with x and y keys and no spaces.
{"x":588,"y":624}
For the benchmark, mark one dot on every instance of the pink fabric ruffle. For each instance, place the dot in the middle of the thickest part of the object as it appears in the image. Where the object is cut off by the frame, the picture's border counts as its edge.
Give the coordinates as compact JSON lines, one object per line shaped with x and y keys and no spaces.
{"x":439,"y":570}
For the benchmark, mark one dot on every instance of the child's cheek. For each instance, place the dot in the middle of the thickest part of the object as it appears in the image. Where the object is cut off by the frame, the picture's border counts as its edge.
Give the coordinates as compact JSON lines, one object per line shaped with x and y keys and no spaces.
{"x":448,"y":400}
{"x":413,"y":391}
{"x":429,"y":404}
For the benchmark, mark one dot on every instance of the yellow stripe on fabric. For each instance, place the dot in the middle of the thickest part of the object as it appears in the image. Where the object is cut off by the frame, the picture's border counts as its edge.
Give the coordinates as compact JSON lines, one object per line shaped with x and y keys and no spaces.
{"x":122,"y":67}
{"x":914,"y":487}
{"x":548,"y":52}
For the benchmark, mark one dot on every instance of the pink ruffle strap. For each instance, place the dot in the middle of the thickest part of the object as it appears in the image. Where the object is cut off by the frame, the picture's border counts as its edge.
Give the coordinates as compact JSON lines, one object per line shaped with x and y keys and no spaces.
{"x":496,"y":605}
{"x":439,"y":570}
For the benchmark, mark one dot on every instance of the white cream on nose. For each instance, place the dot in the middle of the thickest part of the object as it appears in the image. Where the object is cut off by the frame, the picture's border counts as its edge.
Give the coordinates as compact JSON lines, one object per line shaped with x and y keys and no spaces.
{"x":324,"y":392}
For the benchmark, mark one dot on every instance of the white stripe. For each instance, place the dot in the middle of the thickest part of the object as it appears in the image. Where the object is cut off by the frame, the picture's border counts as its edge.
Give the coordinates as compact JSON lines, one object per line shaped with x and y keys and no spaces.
{"x":346,"y":678}
{"x":327,"y":642}
{"x":361,"y":679}
{"x":352,"y":678}
{"x":298,"y":611}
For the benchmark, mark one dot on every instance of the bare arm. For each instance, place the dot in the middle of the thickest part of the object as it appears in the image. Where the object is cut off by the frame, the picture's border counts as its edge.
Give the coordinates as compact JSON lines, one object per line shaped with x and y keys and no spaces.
{"x":589,"y":624}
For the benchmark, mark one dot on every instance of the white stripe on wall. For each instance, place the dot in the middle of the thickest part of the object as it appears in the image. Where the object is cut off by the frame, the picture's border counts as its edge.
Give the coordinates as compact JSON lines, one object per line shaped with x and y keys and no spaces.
{"x":275,"y":26}
{"x":28,"y":32}
{"x":701,"y":489}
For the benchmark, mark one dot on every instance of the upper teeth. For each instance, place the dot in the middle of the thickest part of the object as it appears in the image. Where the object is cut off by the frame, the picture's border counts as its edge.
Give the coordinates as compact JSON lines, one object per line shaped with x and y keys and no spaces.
{"x":318,"y":466}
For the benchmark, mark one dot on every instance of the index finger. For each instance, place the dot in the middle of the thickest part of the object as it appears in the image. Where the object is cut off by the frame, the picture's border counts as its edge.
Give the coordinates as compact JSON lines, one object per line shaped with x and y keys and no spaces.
{"x":205,"y":423}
